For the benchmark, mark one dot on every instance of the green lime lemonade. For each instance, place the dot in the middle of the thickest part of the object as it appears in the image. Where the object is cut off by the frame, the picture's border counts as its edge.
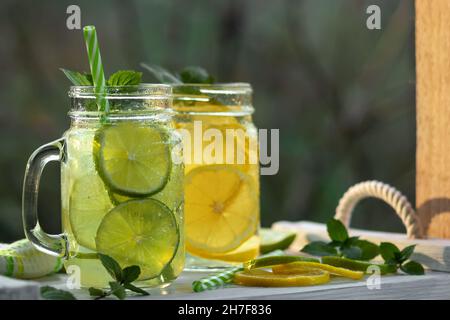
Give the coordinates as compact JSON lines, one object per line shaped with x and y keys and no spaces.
{"x":122,"y":190}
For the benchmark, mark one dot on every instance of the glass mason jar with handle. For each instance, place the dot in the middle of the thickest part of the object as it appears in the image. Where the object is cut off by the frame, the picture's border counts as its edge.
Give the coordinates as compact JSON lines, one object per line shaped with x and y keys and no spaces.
{"x":121,"y":186}
{"x":222,"y":173}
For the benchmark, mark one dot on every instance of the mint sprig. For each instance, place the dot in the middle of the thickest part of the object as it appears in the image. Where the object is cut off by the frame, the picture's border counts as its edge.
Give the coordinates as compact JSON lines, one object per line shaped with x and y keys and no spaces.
{"x":342,"y":244}
{"x":123,"y":280}
{"x":400,"y":258}
{"x":189,"y":75}
{"x":354,"y":248}
{"x":77,"y":78}
{"x":119,"y":78}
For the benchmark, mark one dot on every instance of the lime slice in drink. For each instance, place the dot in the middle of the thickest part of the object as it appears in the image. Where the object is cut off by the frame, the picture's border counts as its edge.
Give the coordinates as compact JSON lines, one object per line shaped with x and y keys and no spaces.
{"x":132,"y":160}
{"x":171,"y":195}
{"x":89,"y":202}
{"x":275,"y":240}
{"x":140,"y":232}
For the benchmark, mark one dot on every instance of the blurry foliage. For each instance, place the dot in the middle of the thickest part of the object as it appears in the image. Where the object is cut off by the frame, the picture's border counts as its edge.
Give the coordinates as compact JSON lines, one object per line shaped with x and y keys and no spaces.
{"x":342,"y":95}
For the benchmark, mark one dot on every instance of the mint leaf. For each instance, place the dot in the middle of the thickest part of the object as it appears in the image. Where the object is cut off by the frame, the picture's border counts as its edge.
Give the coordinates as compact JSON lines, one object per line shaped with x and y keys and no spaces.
{"x":117,"y":289}
{"x":336,"y":230}
{"x":94,"y":292}
{"x":78,"y":79}
{"x":111,"y":266}
{"x":369,"y":250}
{"x":130,"y":274}
{"x":51,"y":293}
{"x":389,"y":252}
{"x":125,"y":78}
{"x":133,"y":288}
{"x":161,"y":74}
{"x":319,"y":248}
{"x":413,"y":268}
{"x":406,"y":253}
{"x":194,"y":74}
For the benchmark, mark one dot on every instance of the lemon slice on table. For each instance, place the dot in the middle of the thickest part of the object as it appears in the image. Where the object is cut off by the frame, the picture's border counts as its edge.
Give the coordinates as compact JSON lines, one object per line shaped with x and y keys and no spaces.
{"x":141,"y":232}
{"x":89,"y":202}
{"x":263,"y":278}
{"x":132,"y":160}
{"x":221,"y":209}
{"x":296,"y":267}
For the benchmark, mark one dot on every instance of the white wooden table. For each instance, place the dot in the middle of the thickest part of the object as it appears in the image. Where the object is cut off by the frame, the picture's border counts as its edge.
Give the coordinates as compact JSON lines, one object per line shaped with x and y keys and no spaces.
{"x":433,"y":285}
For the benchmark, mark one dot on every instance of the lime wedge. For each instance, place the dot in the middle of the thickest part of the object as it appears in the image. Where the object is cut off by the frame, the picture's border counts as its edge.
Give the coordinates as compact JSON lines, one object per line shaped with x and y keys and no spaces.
{"x":262,"y":278}
{"x":140,"y":232}
{"x":132,"y":160}
{"x":89,"y":202}
{"x":269,"y":261}
{"x":275,"y":240}
{"x":357,"y":265}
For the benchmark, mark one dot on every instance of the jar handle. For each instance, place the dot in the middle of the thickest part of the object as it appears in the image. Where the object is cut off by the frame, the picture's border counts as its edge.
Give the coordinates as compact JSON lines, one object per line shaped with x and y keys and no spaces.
{"x":55,"y":245}
{"x":383,"y":192}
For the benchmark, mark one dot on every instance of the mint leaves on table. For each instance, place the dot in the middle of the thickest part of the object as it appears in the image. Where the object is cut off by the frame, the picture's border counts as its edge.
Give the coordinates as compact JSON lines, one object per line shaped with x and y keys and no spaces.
{"x":119,"y":78}
{"x":51,"y":293}
{"x":342,"y":244}
{"x":123,"y":279}
{"x":393,"y":256}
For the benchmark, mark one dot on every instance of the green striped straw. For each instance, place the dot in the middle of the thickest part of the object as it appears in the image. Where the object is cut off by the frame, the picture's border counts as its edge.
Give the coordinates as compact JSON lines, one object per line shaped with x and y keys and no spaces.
{"x":225,"y":277}
{"x":95,"y":63}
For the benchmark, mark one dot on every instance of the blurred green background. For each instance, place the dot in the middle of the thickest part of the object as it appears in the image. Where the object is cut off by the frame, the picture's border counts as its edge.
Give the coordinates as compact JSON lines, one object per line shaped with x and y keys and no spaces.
{"x":342,"y":96}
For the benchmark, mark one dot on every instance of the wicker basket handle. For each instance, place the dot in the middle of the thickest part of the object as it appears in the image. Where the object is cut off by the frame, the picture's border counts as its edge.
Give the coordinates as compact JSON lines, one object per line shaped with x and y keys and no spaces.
{"x":383,"y":192}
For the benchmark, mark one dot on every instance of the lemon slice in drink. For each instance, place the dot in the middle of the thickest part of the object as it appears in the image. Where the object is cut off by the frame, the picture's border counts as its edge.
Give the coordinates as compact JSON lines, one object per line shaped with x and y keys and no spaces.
{"x":89,"y":202}
{"x":140,"y":232}
{"x":132,"y":160}
{"x":221,"y":209}
{"x":247,"y":251}
{"x":262,"y":278}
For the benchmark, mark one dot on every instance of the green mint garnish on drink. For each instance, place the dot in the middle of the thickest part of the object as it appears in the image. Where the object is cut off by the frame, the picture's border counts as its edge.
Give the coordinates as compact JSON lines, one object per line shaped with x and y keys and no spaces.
{"x":188,"y":75}
{"x":119,"y":78}
{"x":123,"y":279}
{"x":354,"y":253}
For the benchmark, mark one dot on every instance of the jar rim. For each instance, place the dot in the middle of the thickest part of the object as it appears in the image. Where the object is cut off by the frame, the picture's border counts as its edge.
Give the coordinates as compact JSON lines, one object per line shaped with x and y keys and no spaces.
{"x":216,"y":88}
{"x":143,"y":90}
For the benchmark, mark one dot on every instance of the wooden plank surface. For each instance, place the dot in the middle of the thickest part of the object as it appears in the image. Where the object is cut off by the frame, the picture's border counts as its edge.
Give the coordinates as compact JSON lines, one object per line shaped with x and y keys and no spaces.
{"x":433,"y":285}
{"x":433,"y":116}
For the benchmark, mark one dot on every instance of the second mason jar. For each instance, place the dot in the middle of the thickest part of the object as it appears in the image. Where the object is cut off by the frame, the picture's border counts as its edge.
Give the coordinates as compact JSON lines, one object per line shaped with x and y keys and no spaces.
{"x":221,"y":173}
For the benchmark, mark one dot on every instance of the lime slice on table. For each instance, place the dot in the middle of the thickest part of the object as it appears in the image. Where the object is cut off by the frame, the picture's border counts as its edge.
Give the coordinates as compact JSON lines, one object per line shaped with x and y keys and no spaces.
{"x":275,"y":240}
{"x":89,"y":202}
{"x":263,"y":278}
{"x":141,"y":232}
{"x":132,"y":160}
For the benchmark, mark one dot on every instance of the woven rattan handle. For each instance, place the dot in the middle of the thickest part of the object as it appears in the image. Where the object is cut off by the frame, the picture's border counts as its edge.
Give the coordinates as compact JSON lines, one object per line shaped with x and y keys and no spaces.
{"x":382,"y":191}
